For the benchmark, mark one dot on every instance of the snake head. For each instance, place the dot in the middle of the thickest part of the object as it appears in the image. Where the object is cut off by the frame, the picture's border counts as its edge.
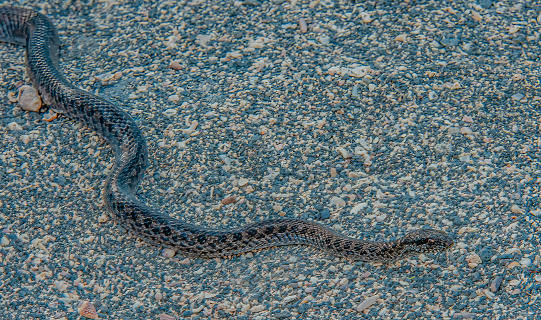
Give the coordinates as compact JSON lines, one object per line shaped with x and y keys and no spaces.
{"x":425,"y":241}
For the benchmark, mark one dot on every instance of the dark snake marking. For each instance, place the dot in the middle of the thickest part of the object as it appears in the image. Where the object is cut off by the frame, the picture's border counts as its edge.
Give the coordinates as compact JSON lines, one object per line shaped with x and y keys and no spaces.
{"x":38,"y":34}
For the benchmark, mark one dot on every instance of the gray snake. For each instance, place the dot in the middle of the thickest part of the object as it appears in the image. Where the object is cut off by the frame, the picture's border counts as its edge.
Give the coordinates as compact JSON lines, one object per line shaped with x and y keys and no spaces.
{"x":37,"y":33}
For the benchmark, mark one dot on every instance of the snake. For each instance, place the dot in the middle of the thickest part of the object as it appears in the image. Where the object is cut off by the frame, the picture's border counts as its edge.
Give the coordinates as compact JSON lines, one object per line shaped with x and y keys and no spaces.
{"x":35,"y":31}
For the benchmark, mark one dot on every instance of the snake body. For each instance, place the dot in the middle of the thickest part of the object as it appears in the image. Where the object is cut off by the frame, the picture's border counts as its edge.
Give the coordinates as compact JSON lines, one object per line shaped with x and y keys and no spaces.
{"x":35,"y":31}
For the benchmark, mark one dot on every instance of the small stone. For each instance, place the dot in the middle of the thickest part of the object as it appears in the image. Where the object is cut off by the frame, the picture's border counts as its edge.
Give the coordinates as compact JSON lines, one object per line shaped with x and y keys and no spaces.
{"x":344,"y":153}
{"x":467,"y":119}
{"x":476,"y":16}
{"x":516,"y":209}
{"x":517,"y":96}
{"x":514,"y":282}
{"x":242,"y":182}
{"x":473,"y":260}
{"x":367,"y":303}
{"x":164,"y":316}
{"x":466,"y":131}
{"x":333,"y":173}
{"x":489,"y":294}
{"x":324,"y":39}
{"x":325,"y":214}
{"x":288,"y":299}
{"x":496,"y":283}
{"x":87,"y":310}
{"x":365,"y":16}
{"x":29,"y":99}
{"x":104,"y":78}
{"x":337,"y":201}
{"x":168,"y":253}
{"x":4,"y":241}
{"x":401,"y":38}
{"x":358,"y":207}
{"x":526,"y":262}
{"x":517,"y":77}
{"x":61,"y":285}
{"x":229,"y":200}
{"x":175,"y":65}
{"x":50,"y":115}
{"x":174,"y":98}
{"x":302,"y":25}
{"x":14,"y":126}
{"x":170,"y":112}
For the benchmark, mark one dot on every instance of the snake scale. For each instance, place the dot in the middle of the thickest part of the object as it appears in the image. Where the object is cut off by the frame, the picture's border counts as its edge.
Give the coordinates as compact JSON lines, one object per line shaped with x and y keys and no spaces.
{"x":38,"y":34}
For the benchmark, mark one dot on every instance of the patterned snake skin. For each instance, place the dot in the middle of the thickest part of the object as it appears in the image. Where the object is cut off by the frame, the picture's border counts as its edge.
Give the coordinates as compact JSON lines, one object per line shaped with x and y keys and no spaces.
{"x":38,"y":34}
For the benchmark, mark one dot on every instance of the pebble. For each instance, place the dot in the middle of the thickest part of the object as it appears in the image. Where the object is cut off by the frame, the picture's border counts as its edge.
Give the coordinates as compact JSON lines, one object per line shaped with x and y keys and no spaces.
{"x":466,"y":131}
{"x":242,"y":182}
{"x":303,"y":27}
{"x":496,"y":283}
{"x":50,"y":115}
{"x":29,"y":98}
{"x":517,"y":96}
{"x":325,"y":214}
{"x":473,"y":260}
{"x":229,"y":200}
{"x":516,"y":209}
{"x":168,"y":253}
{"x":4,"y":241}
{"x":337,"y":201}
{"x":170,"y":112}
{"x":14,"y":126}
{"x":357,"y":208}
{"x":526,"y":262}
{"x":87,"y":310}
{"x":175,"y":65}
{"x":367,"y":303}
{"x":401,"y":38}
{"x":164,"y":316}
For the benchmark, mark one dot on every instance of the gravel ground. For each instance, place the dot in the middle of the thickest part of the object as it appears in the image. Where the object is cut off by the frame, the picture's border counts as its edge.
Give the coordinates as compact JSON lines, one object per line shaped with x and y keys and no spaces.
{"x":374,"y":117}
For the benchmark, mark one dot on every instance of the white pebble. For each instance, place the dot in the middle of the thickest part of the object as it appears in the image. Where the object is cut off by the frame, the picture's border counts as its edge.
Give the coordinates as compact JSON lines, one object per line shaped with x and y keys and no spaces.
{"x":302,"y":25}
{"x":288,"y":299}
{"x":168,"y":253}
{"x":170,"y":112}
{"x":29,"y":99}
{"x":526,"y":262}
{"x":173,"y":98}
{"x":337,"y":201}
{"x":466,"y":130}
{"x":473,"y":260}
{"x":516,"y":209}
{"x":243,"y":181}
{"x":359,"y":207}
{"x":367,"y":303}
{"x":4,"y":241}
{"x":14,"y":126}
